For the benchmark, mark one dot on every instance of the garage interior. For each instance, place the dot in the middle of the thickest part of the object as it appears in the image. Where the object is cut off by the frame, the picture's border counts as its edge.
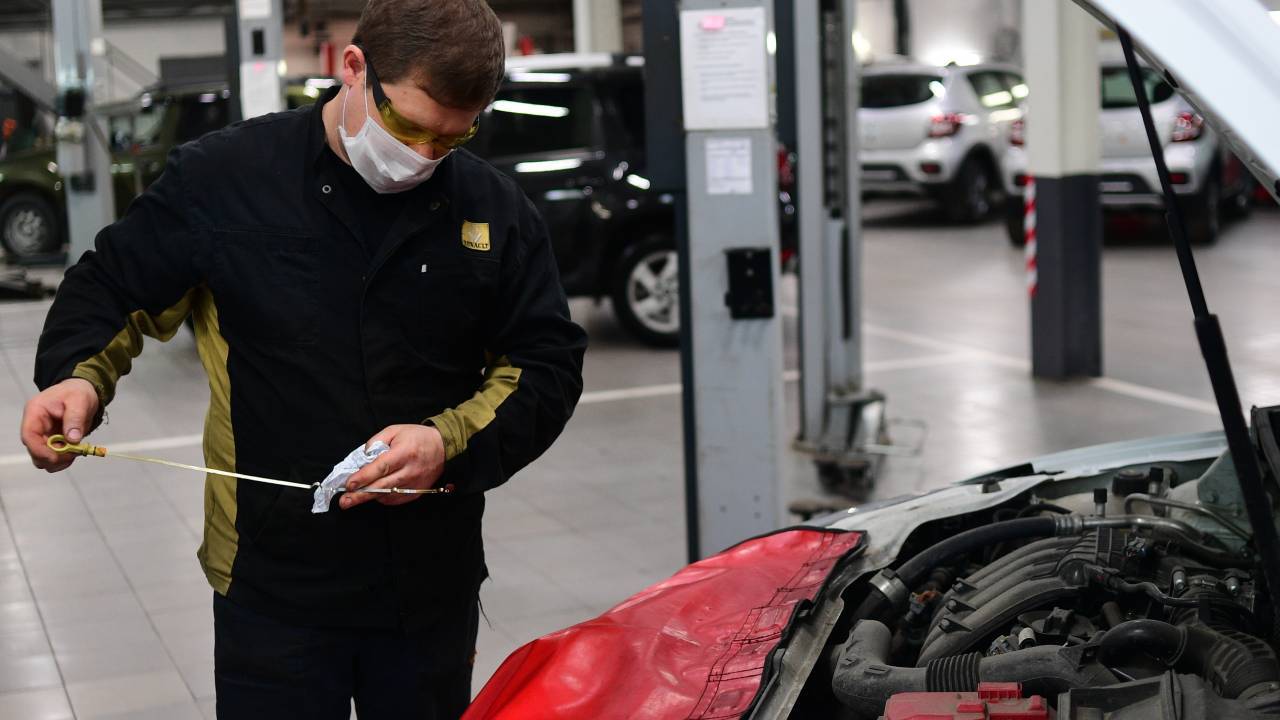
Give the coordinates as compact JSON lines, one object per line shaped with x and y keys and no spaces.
{"x":105,"y":614}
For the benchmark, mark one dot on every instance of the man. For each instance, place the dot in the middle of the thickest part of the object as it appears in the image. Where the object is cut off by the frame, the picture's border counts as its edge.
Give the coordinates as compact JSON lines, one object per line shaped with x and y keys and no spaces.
{"x":353,"y":275}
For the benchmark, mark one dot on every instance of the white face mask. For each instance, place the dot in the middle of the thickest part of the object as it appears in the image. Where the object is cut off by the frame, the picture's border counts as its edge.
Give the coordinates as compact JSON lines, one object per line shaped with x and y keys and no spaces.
{"x":388,"y":165}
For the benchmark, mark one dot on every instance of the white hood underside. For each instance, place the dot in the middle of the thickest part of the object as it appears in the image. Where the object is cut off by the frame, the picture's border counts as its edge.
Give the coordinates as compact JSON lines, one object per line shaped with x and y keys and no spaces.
{"x":1223,"y":56}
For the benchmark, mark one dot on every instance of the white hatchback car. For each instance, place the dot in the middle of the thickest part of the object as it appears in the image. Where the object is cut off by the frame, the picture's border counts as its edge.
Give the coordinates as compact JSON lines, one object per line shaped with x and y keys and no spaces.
{"x":939,"y":131}
{"x":1207,"y":178}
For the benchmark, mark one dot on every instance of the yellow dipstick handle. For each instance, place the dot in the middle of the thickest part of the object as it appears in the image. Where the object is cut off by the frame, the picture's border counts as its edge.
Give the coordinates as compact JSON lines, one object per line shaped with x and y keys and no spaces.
{"x":61,"y":445}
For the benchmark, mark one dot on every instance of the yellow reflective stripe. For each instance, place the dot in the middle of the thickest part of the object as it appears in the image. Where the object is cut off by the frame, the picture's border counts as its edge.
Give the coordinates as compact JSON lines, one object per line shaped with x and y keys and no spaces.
{"x":115,"y":361}
{"x":217,"y":551}
{"x":458,"y":425}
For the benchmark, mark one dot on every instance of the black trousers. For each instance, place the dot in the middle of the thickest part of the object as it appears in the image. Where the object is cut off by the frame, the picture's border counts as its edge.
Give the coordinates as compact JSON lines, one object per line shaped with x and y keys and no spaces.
{"x":265,"y":668}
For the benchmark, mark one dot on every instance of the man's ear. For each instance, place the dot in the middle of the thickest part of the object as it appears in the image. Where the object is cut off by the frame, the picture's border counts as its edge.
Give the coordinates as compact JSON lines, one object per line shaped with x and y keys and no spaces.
{"x":352,"y":65}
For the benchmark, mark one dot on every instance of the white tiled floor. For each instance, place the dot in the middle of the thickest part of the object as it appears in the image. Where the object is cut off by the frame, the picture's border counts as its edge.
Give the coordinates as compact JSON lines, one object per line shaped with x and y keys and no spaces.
{"x":104,"y":613}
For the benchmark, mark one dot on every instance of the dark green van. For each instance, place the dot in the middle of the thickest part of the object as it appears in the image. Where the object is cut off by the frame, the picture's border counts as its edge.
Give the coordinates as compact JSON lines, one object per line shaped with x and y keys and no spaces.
{"x":141,"y":131}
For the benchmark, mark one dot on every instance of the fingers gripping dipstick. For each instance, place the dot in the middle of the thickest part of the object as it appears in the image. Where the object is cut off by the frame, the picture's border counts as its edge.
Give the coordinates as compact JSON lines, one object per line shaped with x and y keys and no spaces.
{"x":62,"y":446}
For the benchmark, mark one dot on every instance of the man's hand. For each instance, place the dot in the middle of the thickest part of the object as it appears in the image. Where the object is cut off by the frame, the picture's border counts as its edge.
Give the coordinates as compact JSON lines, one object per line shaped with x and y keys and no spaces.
{"x":415,"y":460}
{"x":63,"y":409}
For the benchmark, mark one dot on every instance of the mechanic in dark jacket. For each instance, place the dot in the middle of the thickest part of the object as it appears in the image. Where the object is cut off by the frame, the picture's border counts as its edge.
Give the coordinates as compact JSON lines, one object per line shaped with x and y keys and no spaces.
{"x":353,"y":275}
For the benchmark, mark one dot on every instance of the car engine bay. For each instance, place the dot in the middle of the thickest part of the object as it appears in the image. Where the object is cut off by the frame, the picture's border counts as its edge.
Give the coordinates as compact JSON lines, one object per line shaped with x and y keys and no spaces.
{"x":1135,"y":592}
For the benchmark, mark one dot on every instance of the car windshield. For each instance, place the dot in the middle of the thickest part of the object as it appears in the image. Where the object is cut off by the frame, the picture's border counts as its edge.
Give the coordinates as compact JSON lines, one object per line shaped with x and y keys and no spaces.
{"x":138,"y":129}
{"x":887,"y":91}
{"x":1117,"y":91}
{"x":23,"y":126}
{"x":529,"y":120}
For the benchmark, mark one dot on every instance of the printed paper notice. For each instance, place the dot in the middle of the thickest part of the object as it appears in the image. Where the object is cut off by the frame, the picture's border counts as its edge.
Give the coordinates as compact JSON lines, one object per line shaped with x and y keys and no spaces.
{"x":728,"y":166}
{"x":255,"y":9}
{"x":724,"y":72}
{"x":260,"y":91}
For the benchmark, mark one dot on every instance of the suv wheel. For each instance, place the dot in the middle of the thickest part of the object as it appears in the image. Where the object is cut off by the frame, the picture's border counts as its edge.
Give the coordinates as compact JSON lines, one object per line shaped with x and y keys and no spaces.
{"x":1240,"y":204}
{"x":646,"y":291}
{"x":28,"y":226}
{"x":969,"y":196}
{"x":1015,"y":220}
{"x":1203,"y":212}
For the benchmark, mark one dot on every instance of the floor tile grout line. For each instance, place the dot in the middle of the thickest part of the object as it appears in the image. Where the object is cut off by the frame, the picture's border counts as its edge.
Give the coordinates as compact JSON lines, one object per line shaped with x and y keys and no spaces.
{"x":120,"y":566}
{"x":44,"y":627}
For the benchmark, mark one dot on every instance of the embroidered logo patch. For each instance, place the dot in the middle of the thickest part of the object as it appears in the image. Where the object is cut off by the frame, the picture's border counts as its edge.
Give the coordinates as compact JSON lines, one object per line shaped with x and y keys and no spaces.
{"x":475,"y":236}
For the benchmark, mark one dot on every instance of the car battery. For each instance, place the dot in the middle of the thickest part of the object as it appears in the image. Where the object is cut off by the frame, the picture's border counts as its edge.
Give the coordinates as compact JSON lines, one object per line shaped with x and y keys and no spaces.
{"x":992,"y":701}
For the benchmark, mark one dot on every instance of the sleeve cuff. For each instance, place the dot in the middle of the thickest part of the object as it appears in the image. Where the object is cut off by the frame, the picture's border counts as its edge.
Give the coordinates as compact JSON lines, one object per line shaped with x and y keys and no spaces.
{"x":100,"y":386}
{"x":448,"y":426}
{"x":104,"y":391}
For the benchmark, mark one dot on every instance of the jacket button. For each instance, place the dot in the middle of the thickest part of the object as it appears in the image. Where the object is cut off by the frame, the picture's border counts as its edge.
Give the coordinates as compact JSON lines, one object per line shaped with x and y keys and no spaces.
{"x":326,"y":189}
{"x":435,"y":204}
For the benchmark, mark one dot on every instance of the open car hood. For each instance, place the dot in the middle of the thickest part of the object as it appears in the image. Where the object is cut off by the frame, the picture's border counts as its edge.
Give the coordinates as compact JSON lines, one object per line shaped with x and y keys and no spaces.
{"x":1222,"y":56}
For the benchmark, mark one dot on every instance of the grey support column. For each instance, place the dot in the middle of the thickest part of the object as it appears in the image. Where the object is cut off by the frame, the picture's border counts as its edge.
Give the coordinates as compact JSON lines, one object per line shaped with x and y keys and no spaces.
{"x":847,"y":373}
{"x":261,"y":46}
{"x":83,"y":158}
{"x":597,"y":26}
{"x":812,"y":219}
{"x":1060,"y":42}
{"x":732,"y":261}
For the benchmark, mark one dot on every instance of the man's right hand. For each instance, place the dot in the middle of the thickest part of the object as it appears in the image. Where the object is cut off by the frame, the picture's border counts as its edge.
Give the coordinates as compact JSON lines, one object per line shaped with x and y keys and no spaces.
{"x":63,"y":409}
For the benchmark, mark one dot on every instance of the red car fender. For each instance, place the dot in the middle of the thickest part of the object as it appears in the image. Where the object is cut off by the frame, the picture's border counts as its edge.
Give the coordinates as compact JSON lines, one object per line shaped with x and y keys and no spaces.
{"x":693,"y":646}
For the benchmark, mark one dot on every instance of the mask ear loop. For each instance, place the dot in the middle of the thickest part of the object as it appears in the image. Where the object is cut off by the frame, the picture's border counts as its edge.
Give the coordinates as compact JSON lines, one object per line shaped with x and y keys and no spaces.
{"x":346,"y":95}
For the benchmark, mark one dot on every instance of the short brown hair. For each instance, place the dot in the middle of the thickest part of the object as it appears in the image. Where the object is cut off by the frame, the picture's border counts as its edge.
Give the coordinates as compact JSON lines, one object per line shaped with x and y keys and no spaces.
{"x":452,"y":49}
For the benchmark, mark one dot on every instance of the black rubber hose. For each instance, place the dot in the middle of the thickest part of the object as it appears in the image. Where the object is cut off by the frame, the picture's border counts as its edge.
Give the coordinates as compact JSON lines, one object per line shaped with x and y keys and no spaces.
{"x":1158,"y":639}
{"x":1230,"y":665}
{"x":915,"y":570}
{"x":1204,"y":553}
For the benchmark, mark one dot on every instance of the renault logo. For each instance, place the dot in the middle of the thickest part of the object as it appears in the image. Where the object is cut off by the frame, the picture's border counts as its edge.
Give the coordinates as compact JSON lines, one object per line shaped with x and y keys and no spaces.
{"x":475,"y":236}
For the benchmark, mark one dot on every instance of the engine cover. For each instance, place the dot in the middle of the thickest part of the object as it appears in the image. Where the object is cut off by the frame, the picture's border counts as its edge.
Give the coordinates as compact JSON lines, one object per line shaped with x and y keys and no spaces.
{"x":1040,"y":574}
{"x":993,"y":701}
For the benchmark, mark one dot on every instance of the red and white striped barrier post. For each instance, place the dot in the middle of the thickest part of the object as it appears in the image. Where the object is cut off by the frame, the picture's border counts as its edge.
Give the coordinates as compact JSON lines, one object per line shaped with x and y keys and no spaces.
{"x":1029,"y":232}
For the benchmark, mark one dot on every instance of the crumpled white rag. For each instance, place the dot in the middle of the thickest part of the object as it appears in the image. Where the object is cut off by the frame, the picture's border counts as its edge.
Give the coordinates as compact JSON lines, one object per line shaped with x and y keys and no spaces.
{"x":341,"y":472}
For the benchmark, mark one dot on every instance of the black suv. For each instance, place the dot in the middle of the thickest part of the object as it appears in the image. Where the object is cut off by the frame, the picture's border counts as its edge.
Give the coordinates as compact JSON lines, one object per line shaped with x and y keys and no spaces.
{"x":570,"y":130}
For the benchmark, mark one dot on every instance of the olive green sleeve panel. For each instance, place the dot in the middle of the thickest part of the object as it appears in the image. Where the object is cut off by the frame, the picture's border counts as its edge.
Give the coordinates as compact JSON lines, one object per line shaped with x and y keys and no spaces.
{"x":105,"y":369}
{"x":221,"y":539}
{"x":458,"y":425}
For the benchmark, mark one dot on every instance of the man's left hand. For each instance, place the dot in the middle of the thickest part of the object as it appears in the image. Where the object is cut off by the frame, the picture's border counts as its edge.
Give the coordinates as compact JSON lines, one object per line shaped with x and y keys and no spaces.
{"x":415,"y":460}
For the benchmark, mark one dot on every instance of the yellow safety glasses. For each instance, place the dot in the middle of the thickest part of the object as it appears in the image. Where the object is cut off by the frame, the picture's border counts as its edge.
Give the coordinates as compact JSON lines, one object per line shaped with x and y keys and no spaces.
{"x":407,"y":131}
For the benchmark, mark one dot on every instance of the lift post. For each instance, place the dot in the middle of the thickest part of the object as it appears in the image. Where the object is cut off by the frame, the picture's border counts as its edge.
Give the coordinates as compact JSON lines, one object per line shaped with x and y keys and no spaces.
{"x":260,"y":44}
{"x":83,"y":158}
{"x":712,"y":153}
{"x":843,"y":423}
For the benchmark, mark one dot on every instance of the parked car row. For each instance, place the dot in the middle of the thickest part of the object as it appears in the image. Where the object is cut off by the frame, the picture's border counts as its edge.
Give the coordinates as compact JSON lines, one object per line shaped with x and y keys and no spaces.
{"x":956,"y":134}
{"x":570,"y":130}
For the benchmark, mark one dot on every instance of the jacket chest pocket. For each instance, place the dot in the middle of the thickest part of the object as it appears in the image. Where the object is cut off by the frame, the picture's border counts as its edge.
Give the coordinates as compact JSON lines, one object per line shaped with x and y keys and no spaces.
{"x":449,"y":299}
{"x":267,"y":286}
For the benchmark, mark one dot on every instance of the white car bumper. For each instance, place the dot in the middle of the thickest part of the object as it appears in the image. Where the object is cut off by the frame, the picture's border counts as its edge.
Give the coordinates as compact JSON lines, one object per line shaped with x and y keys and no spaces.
{"x":907,"y":170}
{"x":1132,"y":182}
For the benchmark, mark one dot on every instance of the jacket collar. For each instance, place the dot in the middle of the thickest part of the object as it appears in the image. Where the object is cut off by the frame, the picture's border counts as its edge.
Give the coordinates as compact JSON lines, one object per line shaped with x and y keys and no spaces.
{"x":430,"y":200}
{"x":317,"y":142}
